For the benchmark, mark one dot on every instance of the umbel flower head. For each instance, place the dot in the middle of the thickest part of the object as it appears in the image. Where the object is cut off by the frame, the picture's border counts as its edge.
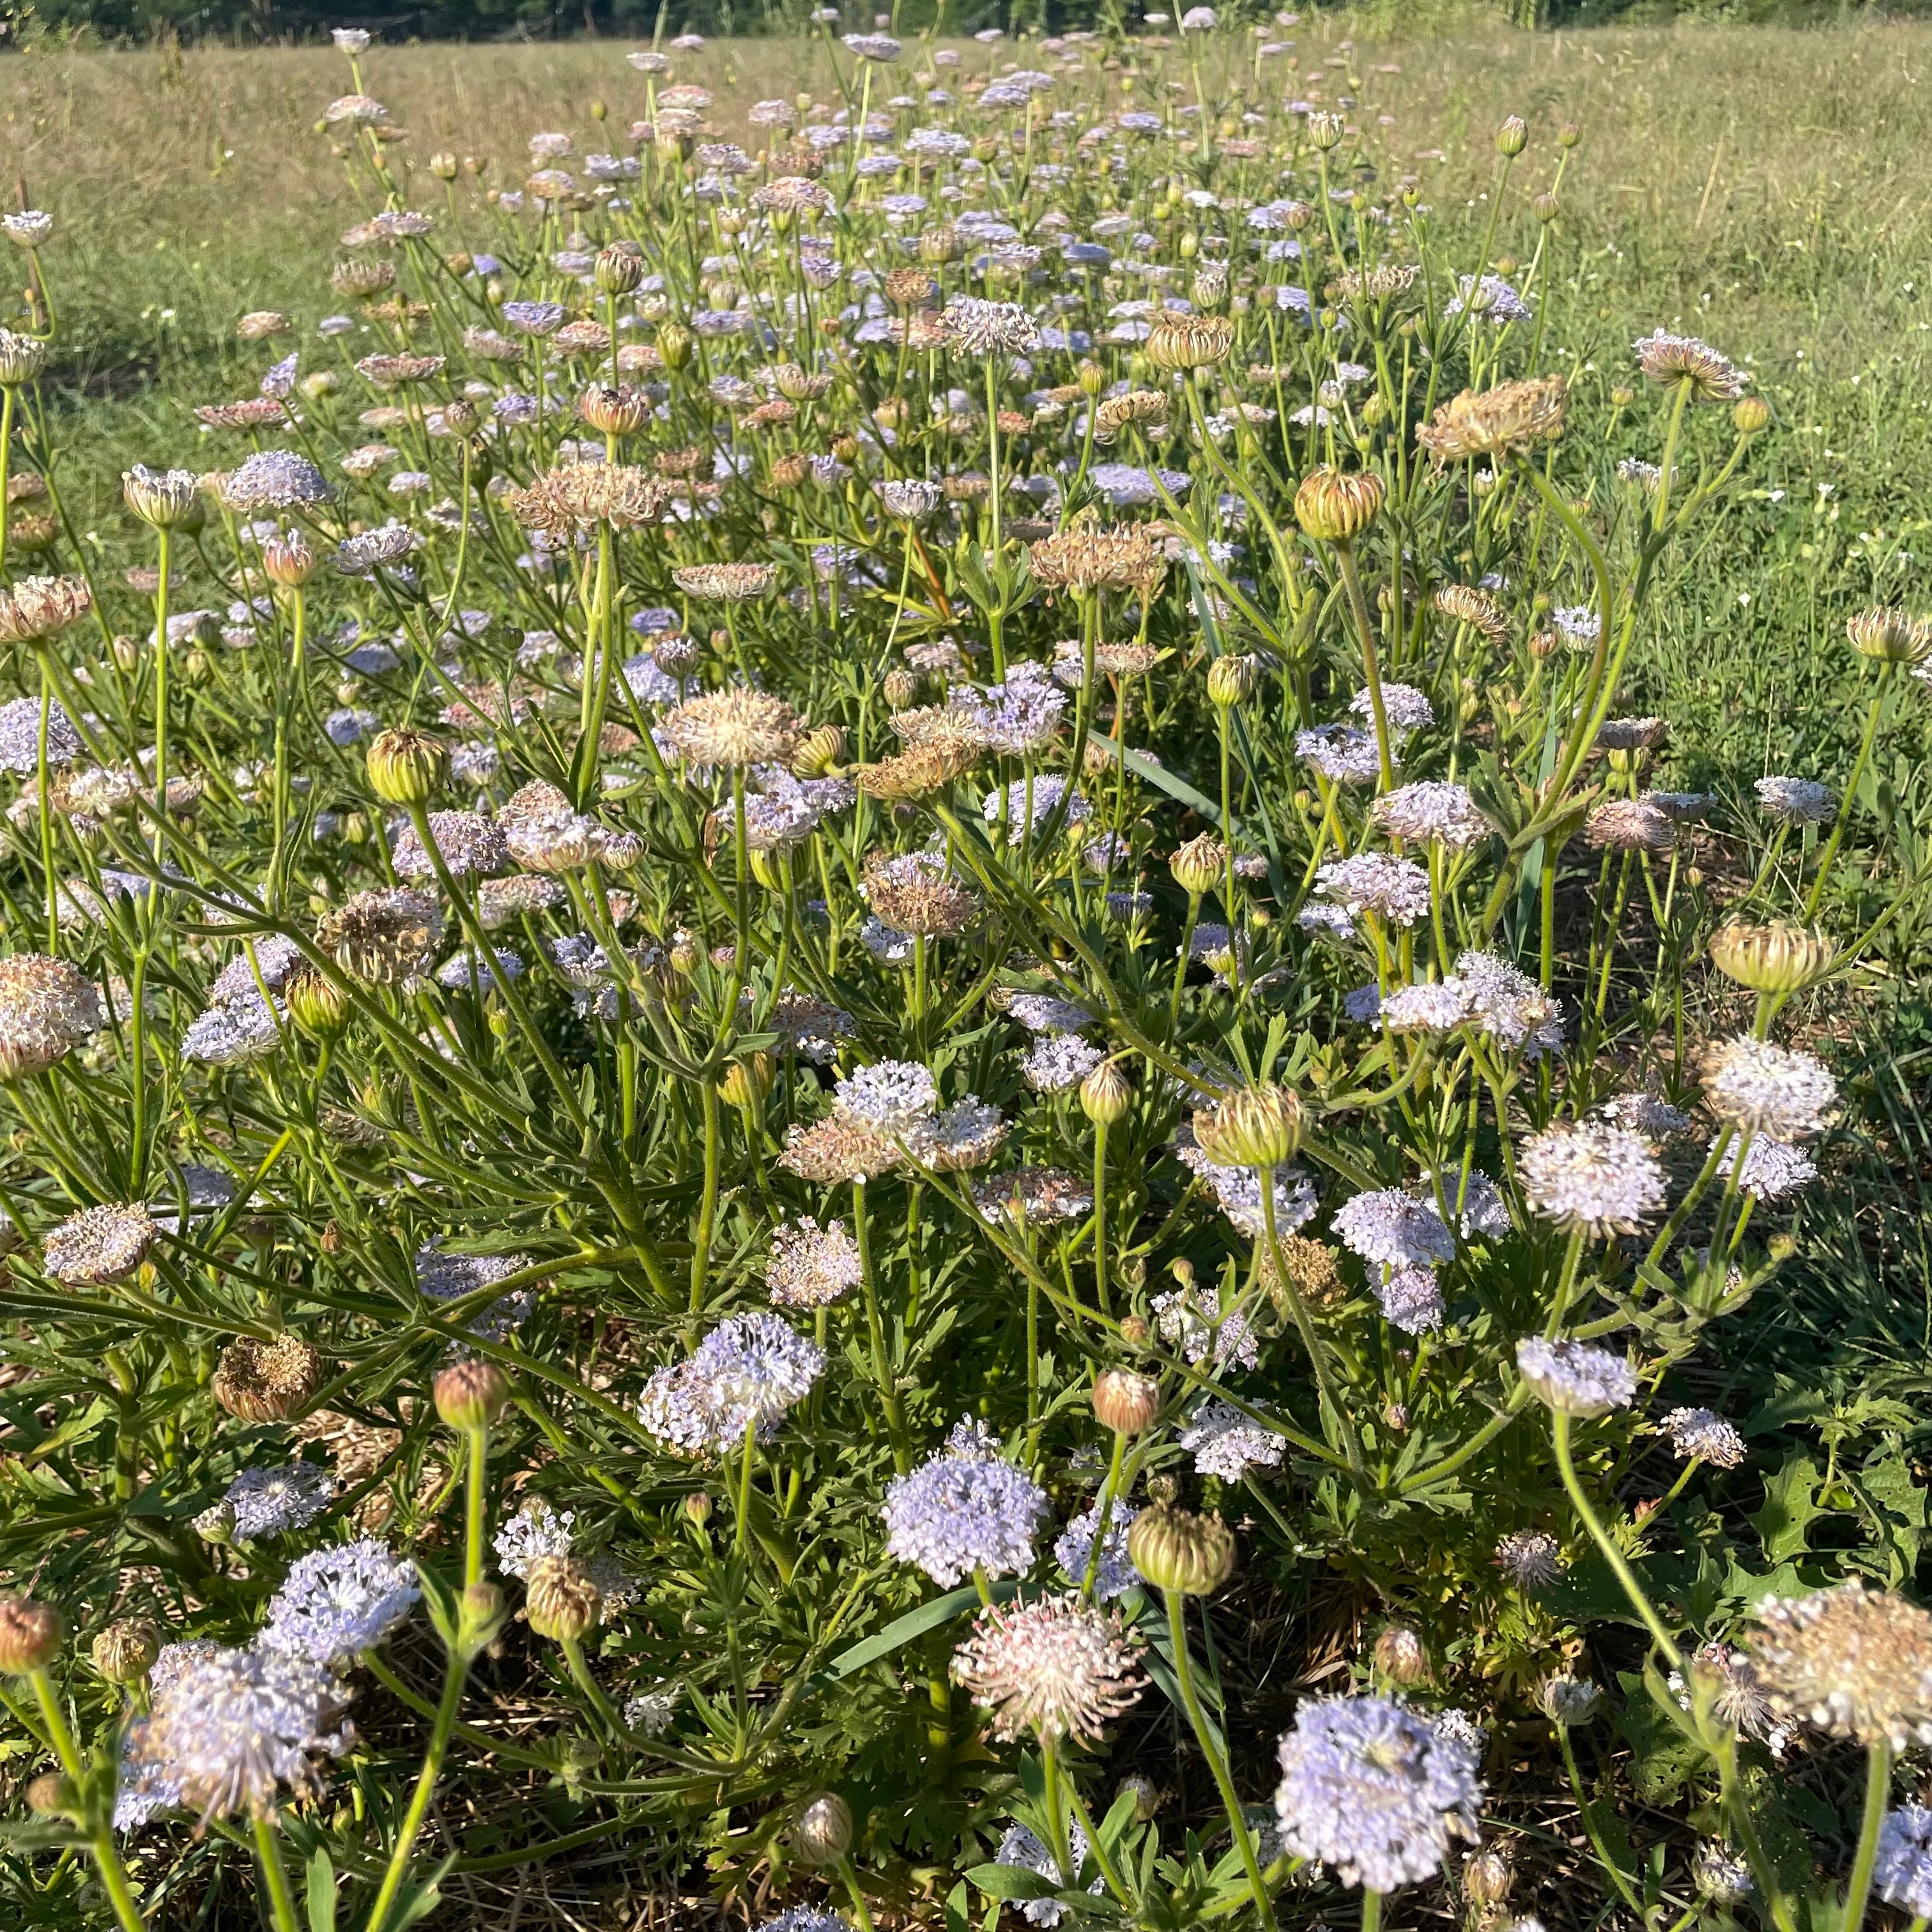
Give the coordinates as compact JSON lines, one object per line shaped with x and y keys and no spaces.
{"x":1600,"y":1179}
{"x":42,"y":607}
{"x":100,"y":1244}
{"x":1710,"y":376}
{"x":1891,"y":636}
{"x":1376,"y":1790}
{"x":47,"y":1008}
{"x":966,"y":1510}
{"x":1086,"y":558}
{"x":1491,"y":422}
{"x":1177,"y":340}
{"x":1849,"y":1661}
{"x":1762,"y":1088}
{"x":1574,"y":1379}
{"x":1055,"y":1669}
{"x":742,"y":1378}
{"x":738,"y":727}
{"x":990,"y":328}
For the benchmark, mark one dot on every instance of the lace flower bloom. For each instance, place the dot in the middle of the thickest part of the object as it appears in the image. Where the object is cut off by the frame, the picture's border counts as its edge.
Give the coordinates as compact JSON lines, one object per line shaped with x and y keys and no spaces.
{"x":743,"y":1377}
{"x":1761,"y":1088}
{"x":1054,"y":1669}
{"x":1395,"y":890}
{"x":1902,"y":1875}
{"x":967,"y":1509}
{"x":1575,"y":1378}
{"x":1394,"y":1229}
{"x":1704,"y":1434}
{"x":1224,"y":1443}
{"x":1433,"y":809}
{"x":227,"y":1732}
{"x":1771,"y":1170}
{"x":1598,"y":1179}
{"x":1115,"y":1574}
{"x":1849,"y":1661}
{"x":891,"y":1097}
{"x":267,"y":1501}
{"x":1374,"y":1789}
{"x":335,"y":1603}
{"x":812,"y":1266}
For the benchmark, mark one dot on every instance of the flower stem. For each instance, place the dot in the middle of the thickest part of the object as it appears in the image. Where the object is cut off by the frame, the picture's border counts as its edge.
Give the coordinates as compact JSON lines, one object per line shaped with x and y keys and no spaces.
{"x":1878,"y":1790}
{"x":275,"y":1877}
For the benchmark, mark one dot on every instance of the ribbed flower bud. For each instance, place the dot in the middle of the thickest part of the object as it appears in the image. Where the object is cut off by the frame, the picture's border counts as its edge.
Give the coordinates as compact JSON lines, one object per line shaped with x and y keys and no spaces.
{"x":316,"y":1004}
{"x":1092,"y":378}
{"x":1750,"y":414}
{"x":560,"y":1600}
{"x":30,"y":1633}
{"x":1253,"y":1127}
{"x":1125,"y":1402}
{"x":1199,"y":865}
{"x":1105,"y":1094}
{"x":288,"y":560}
{"x":900,"y":686}
{"x":1325,"y":130}
{"x":21,"y":357}
{"x":619,"y":412}
{"x":443,"y":165}
{"x":1512,"y":137}
{"x":746,"y":1082}
{"x":673,"y":344}
{"x":818,"y":750}
{"x":1488,"y":1876}
{"x":164,"y":498}
{"x":823,"y":1834}
{"x":470,"y":1394}
{"x":617,"y":271}
{"x":1231,"y":679}
{"x":125,"y":1652}
{"x":1890,"y":635}
{"x":1336,"y":506}
{"x":1175,"y":1550}
{"x":51,"y":1792}
{"x":1567,"y":1700}
{"x":1779,"y":958}
{"x":1401,"y":1656}
{"x":406,"y":766}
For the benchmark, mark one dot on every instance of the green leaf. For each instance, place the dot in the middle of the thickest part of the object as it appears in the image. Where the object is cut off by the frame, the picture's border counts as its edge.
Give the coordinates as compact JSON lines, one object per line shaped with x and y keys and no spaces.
{"x":1789,"y":1508}
{"x":1662,"y":1759}
{"x":321,"y":1893}
{"x":1158,"y":776}
{"x":1011,"y":1882}
{"x":902,"y":1630}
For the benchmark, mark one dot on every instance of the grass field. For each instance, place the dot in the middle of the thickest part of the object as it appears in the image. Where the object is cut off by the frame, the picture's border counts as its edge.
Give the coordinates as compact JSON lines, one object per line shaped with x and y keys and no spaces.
{"x":1763,"y":188}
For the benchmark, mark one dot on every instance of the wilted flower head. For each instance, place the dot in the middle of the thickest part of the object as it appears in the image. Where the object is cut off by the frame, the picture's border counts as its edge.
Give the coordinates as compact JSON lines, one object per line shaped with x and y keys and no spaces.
{"x":1513,"y":415}
{"x":990,"y":328}
{"x":811,"y":1267}
{"x":1703,"y":1434}
{"x":47,"y":1008}
{"x":738,"y":727}
{"x":1055,"y":1668}
{"x":1529,"y":1557}
{"x":100,"y":1244}
{"x":1848,"y":1660}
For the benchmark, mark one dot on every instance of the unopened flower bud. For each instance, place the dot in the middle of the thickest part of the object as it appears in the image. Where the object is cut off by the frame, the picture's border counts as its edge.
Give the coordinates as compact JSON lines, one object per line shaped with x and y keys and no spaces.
{"x":1512,"y":137}
{"x":315,"y":1002}
{"x":30,"y":1634}
{"x":673,"y":344}
{"x":1231,"y":679}
{"x":1750,"y":414}
{"x":1176,"y":1550}
{"x":1488,"y":1876}
{"x":1199,"y":865}
{"x":1253,"y":1127}
{"x":1568,"y":1700}
{"x":1124,"y":1401}
{"x":1336,"y":506}
{"x":1092,"y":378}
{"x":443,"y":165}
{"x":1105,"y":1094}
{"x":1146,"y":1795}
{"x":560,"y":1600}
{"x":818,"y":750}
{"x":1401,"y":1656}
{"x":900,"y":687}
{"x":697,"y":1508}
{"x":288,"y":560}
{"x":470,"y":1394}
{"x":405,"y":766}
{"x":1779,"y":958}
{"x":823,"y":1834}
{"x":1568,"y":135}
{"x":125,"y":1652}
{"x":747,"y":1081}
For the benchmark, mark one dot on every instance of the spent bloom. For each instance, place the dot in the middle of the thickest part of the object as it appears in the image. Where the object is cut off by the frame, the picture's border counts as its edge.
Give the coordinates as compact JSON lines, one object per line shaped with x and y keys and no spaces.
{"x":1849,"y":1661}
{"x":1529,"y":1557}
{"x":1374,"y":1789}
{"x":812,"y":1266}
{"x":1056,"y":1668}
{"x":966,"y":1509}
{"x":1705,"y":1435}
